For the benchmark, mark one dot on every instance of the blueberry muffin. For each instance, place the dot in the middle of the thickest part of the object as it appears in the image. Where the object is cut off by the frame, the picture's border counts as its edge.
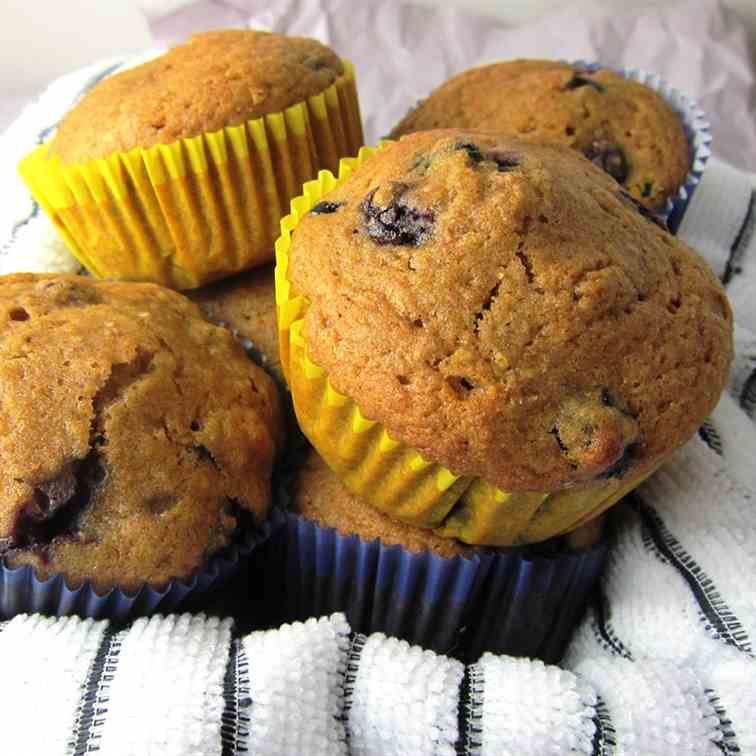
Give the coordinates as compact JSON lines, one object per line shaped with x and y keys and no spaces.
{"x":178,"y":171}
{"x":247,"y":305}
{"x":622,"y":126}
{"x":497,"y":340}
{"x":135,"y":436}
{"x":342,"y":555}
{"x":320,"y":496}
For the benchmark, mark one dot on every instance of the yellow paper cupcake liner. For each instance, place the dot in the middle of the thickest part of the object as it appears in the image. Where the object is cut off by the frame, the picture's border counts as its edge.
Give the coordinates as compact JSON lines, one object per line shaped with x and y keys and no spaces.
{"x":390,"y":475}
{"x":189,"y":212}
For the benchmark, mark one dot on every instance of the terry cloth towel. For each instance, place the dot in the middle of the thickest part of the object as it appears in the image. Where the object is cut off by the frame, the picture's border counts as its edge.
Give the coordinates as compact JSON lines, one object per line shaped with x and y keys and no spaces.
{"x":663,"y":663}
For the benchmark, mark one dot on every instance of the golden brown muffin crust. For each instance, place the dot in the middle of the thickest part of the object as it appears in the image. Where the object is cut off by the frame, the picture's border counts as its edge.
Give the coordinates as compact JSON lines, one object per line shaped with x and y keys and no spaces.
{"x":216,"y":79}
{"x":506,"y":309}
{"x":130,"y":431}
{"x":247,"y":305}
{"x":320,"y":496}
{"x":621,"y":124}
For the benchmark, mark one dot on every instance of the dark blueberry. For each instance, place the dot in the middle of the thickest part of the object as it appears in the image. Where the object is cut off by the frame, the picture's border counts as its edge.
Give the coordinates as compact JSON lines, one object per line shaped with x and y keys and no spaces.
{"x":57,"y":505}
{"x":325,"y":208}
{"x":628,"y":199}
{"x":623,"y":464}
{"x":609,"y":158}
{"x":505,"y":161}
{"x":51,"y":495}
{"x":562,"y":446}
{"x":397,"y":223}
{"x":580,"y":80}
{"x":205,"y":455}
{"x":472,"y":150}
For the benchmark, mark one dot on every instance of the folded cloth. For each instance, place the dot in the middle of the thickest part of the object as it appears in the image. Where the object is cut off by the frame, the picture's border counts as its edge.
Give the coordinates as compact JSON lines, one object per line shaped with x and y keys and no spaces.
{"x":663,"y":662}
{"x":28,"y":240}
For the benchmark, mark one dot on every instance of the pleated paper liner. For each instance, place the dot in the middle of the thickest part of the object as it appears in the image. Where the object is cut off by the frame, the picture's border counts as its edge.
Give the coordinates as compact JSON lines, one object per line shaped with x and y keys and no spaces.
{"x":390,"y":475}
{"x":186,"y":213}
{"x":697,"y":131}
{"x":21,"y":591}
{"x":532,"y":605}
{"x":509,"y":602}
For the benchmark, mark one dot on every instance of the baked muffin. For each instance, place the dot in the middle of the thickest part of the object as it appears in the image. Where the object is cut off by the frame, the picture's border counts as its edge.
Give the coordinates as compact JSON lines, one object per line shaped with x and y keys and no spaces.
{"x":624,"y":127}
{"x":494,"y":339}
{"x":320,"y":496}
{"x":342,"y":555}
{"x":135,"y":436}
{"x":247,"y":305}
{"x":203,"y":147}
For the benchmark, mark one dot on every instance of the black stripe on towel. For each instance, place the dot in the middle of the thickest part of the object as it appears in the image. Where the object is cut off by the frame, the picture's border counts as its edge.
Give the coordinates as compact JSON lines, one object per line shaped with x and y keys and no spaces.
{"x":469,"y":711}
{"x":710,"y":436}
{"x":350,"y":674}
{"x":729,"y":743}
{"x":93,"y":707}
{"x":603,"y":630}
{"x":237,"y":702}
{"x":748,"y":394}
{"x":18,"y":226}
{"x":350,"y":678}
{"x":604,"y":736}
{"x":720,"y":620}
{"x":732,"y":268}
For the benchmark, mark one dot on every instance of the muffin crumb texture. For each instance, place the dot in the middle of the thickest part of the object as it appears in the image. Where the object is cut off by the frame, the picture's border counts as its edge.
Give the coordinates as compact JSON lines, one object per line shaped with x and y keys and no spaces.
{"x":246,"y":304}
{"x":134,"y":435}
{"x":321,"y":497}
{"x":216,"y":79}
{"x":509,"y":311}
{"x":622,"y":126}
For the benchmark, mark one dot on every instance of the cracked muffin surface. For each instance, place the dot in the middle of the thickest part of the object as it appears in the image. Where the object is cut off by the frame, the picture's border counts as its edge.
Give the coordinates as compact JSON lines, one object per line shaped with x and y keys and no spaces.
{"x":216,"y":79}
{"x":510,"y":312}
{"x":134,"y":434}
{"x":621,"y":125}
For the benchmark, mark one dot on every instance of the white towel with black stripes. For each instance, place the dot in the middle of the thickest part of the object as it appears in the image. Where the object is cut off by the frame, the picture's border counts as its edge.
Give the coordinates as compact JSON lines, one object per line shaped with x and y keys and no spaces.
{"x":662,"y":664}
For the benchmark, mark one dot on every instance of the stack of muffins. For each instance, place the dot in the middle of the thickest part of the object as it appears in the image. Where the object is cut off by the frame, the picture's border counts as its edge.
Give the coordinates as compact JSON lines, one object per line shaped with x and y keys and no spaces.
{"x":139,"y":438}
{"x":488,"y":338}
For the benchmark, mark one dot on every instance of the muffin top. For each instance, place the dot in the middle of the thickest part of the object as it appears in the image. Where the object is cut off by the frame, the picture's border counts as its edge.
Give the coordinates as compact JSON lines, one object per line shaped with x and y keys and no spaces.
{"x":321,"y":497}
{"x":247,"y":305}
{"x":133,"y":433}
{"x":216,"y":79}
{"x":621,"y":125}
{"x":509,"y":311}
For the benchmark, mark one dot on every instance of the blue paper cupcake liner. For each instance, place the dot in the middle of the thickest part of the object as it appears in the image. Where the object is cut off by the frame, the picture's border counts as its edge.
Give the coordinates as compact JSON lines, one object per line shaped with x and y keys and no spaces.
{"x":533,"y":604}
{"x":507,"y":602}
{"x":21,"y":591}
{"x":697,"y":130}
